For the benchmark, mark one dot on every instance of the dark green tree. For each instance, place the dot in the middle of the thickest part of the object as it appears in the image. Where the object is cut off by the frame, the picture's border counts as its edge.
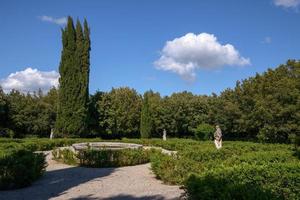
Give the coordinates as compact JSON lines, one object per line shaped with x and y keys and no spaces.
{"x":120,"y":112}
{"x":146,"y":120}
{"x":86,"y":59}
{"x":72,"y":115}
{"x":31,"y":114}
{"x":94,"y":115}
{"x":3,"y":111}
{"x":182,"y":112}
{"x":264,"y":107}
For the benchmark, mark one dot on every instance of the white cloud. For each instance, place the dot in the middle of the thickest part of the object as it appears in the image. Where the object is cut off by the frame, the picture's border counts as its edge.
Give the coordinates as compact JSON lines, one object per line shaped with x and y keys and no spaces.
{"x":58,"y":21}
{"x":30,"y":80}
{"x":188,"y":53}
{"x":287,"y":3}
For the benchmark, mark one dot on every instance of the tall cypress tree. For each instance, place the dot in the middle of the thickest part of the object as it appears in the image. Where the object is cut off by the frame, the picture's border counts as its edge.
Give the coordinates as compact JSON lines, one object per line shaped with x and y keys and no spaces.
{"x":86,"y":58}
{"x":146,"y":121}
{"x":73,"y":95}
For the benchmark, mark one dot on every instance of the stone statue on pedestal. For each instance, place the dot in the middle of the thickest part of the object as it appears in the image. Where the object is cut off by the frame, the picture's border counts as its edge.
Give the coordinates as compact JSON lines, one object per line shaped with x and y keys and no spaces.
{"x":218,"y":137}
{"x":164,"y":135}
{"x":51,"y":134}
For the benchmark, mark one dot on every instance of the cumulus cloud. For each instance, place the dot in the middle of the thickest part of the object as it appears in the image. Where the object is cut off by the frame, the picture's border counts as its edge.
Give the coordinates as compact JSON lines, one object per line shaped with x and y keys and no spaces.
{"x":58,"y":21}
{"x":287,"y":3}
{"x":30,"y":80}
{"x":188,"y":53}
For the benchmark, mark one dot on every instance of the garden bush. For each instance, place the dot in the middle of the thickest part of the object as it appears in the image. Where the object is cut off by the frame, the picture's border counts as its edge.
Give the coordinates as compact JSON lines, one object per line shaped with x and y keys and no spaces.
{"x":66,"y":156}
{"x":246,"y":181}
{"x":113,"y":158}
{"x":20,"y":167}
{"x":172,"y":169}
{"x":240,"y":170}
{"x":103,"y":157}
{"x":204,"y":132}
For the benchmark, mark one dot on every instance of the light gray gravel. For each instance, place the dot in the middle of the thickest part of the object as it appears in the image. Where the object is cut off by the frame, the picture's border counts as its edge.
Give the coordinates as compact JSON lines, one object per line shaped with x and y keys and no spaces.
{"x":67,"y":182}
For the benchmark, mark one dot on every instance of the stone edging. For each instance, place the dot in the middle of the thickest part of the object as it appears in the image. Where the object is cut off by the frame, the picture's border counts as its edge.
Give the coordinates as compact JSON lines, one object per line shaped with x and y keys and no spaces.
{"x":116,"y":146}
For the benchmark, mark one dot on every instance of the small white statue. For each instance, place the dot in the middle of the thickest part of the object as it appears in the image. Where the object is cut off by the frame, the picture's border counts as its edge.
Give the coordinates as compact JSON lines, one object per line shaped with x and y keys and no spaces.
{"x":218,"y":137}
{"x":164,"y":135}
{"x":51,"y":134}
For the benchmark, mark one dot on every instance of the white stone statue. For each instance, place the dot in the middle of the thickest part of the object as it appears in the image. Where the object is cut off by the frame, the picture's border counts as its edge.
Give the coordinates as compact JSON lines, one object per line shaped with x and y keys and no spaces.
{"x":218,"y":137}
{"x":164,"y":135}
{"x":51,"y":134}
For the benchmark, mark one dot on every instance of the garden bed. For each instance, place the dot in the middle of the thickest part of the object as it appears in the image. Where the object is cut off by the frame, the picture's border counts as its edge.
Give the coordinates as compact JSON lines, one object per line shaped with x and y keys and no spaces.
{"x":102,"y":154}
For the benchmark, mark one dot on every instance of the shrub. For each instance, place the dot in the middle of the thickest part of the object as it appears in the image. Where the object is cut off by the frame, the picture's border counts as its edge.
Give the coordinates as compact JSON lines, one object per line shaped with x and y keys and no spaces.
{"x":6,"y":133}
{"x":65,"y":155}
{"x":204,"y":132}
{"x":276,"y":181}
{"x":171,"y":169}
{"x":240,"y":170}
{"x":20,"y":168}
{"x":113,"y":158}
{"x":103,"y":157}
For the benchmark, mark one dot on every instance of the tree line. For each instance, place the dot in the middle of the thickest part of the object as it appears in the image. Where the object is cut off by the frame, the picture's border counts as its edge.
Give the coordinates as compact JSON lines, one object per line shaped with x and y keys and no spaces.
{"x":265,"y":107}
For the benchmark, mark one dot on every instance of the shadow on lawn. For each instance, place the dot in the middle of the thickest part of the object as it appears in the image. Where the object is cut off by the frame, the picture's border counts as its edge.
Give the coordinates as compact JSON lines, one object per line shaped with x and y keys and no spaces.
{"x":57,"y":182}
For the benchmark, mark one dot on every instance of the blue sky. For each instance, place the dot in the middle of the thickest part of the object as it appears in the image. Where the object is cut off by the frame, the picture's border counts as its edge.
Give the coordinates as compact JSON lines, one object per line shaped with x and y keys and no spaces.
{"x":129,"y":42}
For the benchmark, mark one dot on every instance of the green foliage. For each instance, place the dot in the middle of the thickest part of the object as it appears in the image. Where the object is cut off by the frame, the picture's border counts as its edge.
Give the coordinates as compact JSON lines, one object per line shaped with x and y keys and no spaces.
{"x":120,"y":111}
{"x":113,"y":158}
{"x":182,"y":112}
{"x":3,"y":109}
{"x":262,"y":108}
{"x":31,"y":114}
{"x":95,"y":116}
{"x":246,"y":181}
{"x":65,"y":155}
{"x":72,"y":115}
{"x":146,"y":121}
{"x":103,"y":157}
{"x":19,"y":168}
{"x":240,"y":170}
{"x":266,"y":106}
{"x":204,"y":132}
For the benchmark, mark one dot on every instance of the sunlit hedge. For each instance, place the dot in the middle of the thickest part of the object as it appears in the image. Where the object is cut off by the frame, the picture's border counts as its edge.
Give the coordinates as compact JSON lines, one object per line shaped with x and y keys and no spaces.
{"x":240,"y":170}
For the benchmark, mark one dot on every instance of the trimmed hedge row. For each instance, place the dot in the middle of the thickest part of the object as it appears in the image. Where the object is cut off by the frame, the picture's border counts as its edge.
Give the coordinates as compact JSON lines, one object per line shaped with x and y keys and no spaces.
{"x":103,"y":157}
{"x":20,"y":168}
{"x":246,"y":181}
{"x":113,"y":158}
{"x":240,"y":170}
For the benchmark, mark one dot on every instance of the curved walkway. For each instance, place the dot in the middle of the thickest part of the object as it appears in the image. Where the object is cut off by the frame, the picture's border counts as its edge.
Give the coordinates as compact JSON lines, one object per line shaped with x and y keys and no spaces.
{"x":76,"y":183}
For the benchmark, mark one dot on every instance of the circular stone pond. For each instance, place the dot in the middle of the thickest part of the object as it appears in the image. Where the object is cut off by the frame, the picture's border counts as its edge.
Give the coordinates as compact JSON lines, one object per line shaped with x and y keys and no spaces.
{"x":102,"y":154}
{"x":105,"y":146}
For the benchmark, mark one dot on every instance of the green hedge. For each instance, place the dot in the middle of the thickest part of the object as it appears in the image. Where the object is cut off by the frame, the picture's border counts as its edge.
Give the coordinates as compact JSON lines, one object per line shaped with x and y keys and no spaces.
{"x":20,"y":168}
{"x":204,"y":132}
{"x":240,"y":170}
{"x":103,"y":157}
{"x":246,"y":181}
{"x":113,"y":158}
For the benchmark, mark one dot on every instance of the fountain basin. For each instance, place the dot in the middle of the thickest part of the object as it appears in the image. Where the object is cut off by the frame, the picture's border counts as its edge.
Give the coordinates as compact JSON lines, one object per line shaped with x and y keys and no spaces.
{"x":105,"y":146}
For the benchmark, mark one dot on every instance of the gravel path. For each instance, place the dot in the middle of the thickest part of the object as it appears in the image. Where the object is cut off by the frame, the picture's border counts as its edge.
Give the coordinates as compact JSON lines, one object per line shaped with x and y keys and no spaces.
{"x":67,"y":182}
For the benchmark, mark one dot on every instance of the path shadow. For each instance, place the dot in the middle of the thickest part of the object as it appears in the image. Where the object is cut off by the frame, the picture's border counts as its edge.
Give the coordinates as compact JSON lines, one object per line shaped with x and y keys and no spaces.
{"x":123,"y":197}
{"x":55,"y":183}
